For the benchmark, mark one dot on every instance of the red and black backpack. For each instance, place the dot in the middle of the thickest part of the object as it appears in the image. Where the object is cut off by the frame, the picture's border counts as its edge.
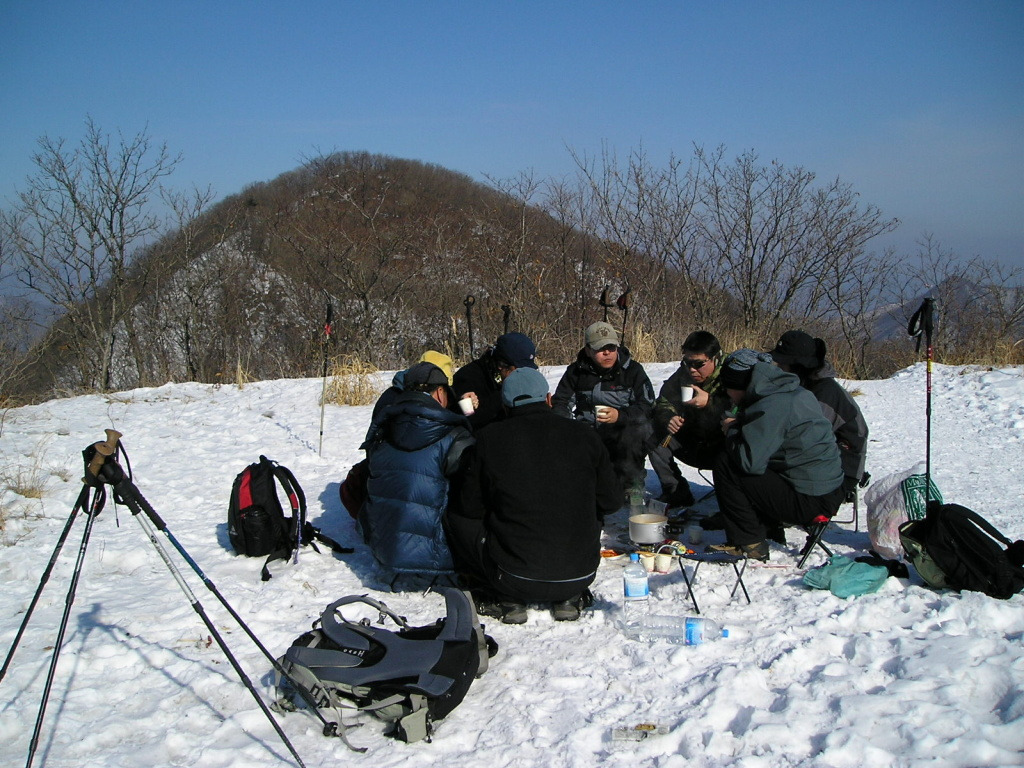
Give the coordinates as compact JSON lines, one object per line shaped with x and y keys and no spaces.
{"x":257,"y":526}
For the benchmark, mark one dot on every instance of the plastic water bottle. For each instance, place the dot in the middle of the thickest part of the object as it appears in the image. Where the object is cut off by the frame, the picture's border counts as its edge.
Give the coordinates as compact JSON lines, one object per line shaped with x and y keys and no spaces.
{"x":688,"y":630}
{"x":636,"y":591}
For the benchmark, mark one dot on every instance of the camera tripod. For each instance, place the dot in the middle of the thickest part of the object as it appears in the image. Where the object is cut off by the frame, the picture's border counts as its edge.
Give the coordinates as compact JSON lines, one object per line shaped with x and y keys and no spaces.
{"x":102,"y":469}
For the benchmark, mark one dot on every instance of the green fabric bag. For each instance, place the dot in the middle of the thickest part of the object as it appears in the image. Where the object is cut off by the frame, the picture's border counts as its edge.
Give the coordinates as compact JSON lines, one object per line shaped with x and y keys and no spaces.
{"x":845,"y":577}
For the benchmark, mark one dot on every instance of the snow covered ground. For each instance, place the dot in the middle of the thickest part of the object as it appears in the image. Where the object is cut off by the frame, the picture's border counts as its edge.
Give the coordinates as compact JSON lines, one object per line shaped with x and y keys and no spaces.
{"x":903,"y":677}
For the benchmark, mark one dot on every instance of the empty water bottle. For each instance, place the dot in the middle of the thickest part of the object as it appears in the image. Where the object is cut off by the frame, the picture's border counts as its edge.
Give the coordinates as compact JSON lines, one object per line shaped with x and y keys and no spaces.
{"x":636,"y":591}
{"x":681,"y":630}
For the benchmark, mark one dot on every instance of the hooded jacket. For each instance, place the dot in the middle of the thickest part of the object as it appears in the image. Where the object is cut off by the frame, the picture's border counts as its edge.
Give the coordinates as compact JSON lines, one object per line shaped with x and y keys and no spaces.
{"x":848,"y":424}
{"x":585,"y":385}
{"x":413,"y":457}
{"x":780,"y":428}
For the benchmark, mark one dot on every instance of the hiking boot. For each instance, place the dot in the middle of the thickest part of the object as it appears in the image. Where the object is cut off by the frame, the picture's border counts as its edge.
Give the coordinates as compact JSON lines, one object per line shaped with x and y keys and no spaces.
{"x":715,"y":522}
{"x":777,"y":534}
{"x":513,"y":613}
{"x":756,"y":551}
{"x":567,"y":610}
{"x":489,"y":608}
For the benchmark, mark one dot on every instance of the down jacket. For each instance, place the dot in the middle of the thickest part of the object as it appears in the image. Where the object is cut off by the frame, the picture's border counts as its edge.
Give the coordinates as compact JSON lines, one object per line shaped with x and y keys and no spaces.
{"x":412,"y":459}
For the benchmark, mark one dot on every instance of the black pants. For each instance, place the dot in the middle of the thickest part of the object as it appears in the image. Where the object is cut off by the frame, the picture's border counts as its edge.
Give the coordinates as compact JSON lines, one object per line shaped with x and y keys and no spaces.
{"x":467,"y":539}
{"x":627,"y":448}
{"x":751,"y":503}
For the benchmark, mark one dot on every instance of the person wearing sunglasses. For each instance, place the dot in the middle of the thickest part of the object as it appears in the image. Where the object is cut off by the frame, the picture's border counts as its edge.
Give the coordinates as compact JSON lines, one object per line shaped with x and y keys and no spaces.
{"x":688,"y":427}
{"x":609,"y":390}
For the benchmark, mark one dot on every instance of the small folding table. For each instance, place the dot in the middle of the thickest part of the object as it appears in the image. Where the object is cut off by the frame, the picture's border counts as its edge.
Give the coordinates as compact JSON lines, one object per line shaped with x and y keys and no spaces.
{"x":722,"y":558}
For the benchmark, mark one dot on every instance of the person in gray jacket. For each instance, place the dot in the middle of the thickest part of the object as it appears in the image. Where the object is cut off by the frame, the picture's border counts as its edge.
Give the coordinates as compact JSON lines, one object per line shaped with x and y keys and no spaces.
{"x":781,"y":464}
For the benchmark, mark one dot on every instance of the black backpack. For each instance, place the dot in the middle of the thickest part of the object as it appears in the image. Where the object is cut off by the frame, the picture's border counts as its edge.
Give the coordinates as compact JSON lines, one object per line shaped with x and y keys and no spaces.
{"x":954,"y":547}
{"x":257,"y":526}
{"x":408,"y":678}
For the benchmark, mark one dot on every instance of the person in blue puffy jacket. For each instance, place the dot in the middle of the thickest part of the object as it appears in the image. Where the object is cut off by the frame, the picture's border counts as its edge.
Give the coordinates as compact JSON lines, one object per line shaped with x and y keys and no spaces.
{"x":414,"y":460}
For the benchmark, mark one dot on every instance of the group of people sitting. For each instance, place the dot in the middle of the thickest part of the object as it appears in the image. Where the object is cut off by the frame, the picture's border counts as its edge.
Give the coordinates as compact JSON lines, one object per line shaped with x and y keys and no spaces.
{"x":512,"y":497}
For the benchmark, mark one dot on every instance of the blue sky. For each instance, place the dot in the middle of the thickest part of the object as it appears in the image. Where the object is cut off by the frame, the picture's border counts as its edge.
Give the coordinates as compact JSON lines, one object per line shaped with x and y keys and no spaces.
{"x":919,"y":106}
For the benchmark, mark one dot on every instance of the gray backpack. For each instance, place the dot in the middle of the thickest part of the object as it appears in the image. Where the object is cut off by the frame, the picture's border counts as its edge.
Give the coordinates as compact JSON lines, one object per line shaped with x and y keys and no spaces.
{"x":409,"y":678}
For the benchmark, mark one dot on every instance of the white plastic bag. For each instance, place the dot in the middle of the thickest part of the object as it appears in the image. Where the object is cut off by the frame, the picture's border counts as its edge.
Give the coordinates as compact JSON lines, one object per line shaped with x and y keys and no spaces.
{"x":892,"y":501}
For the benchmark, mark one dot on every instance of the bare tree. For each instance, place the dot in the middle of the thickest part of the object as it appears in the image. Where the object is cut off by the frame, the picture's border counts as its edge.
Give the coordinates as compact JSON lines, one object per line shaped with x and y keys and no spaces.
{"x":75,"y":230}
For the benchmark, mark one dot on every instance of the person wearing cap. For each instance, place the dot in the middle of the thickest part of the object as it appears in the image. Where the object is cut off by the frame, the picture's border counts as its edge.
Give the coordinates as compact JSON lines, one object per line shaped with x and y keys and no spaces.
{"x":390,"y":394}
{"x":780,"y":464}
{"x":609,"y":391}
{"x":415,"y":461}
{"x":535,"y":495}
{"x":689,"y":430}
{"x":481,"y":379}
{"x":797,"y":352}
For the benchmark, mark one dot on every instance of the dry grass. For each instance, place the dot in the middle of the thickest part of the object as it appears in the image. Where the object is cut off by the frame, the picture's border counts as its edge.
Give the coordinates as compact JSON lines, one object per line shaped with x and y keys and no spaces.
{"x":643,"y":345}
{"x":351,"y":382}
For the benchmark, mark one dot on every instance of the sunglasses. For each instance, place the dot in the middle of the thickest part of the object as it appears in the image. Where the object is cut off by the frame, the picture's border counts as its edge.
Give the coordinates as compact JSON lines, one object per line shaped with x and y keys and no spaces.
{"x":695,"y":364}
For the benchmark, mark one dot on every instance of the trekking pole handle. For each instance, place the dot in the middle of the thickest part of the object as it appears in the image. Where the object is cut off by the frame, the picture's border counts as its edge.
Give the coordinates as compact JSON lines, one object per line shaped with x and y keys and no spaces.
{"x":104,"y":449}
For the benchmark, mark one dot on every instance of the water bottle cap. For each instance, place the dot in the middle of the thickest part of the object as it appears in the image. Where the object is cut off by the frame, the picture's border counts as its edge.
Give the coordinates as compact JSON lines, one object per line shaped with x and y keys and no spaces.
{"x":725,"y":633}
{"x":634,"y":557}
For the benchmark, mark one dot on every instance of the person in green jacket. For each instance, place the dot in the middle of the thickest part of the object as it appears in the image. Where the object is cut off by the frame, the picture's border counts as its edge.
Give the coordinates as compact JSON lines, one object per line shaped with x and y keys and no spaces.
{"x":780,"y":465}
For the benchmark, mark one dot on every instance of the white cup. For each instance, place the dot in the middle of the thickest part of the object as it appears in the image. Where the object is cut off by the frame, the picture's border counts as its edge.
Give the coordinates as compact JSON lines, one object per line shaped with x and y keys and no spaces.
{"x":601,"y":410}
{"x":686,"y":393}
{"x":694,"y":533}
{"x":466,"y":404}
{"x":663,"y":562}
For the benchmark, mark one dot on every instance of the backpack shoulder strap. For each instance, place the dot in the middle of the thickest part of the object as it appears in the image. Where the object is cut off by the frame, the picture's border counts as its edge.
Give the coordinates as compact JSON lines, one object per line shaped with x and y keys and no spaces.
{"x":311,"y":533}
{"x":964,"y":513}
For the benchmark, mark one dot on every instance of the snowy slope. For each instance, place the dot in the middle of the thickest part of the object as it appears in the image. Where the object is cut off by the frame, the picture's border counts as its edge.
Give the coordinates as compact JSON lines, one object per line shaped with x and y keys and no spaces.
{"x":906,"y":676}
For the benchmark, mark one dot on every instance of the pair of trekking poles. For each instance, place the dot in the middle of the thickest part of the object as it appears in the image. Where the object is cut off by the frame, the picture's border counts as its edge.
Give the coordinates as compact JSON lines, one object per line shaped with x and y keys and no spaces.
{"x":102,"y":469}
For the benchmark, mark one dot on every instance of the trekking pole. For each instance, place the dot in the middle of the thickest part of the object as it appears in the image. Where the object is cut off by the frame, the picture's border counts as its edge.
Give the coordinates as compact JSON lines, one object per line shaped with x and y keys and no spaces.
{"x":923,"y":321}
{"x":82,"y":503}
{"x":623,"y":303}
{"x":330,"y":729}
{"x":469,"y":302}
{"x":126,"y":493}
{"x":323,"y":393}
{"x":94,"y":456}
{"x":506,"y":312}
{"x":603,"y":301}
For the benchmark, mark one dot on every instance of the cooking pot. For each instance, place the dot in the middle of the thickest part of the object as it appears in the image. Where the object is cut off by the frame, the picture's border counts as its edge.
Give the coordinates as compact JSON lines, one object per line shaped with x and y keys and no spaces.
{"x":647,"y":529}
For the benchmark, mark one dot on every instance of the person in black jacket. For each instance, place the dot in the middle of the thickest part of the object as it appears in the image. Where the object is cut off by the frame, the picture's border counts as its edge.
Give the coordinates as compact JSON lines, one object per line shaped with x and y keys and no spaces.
{"x":533,"y":504}
{"x":481,"y":379}
{"x":689,"y":429}
{"x":798,"y":353}
{"x":608,"y":390}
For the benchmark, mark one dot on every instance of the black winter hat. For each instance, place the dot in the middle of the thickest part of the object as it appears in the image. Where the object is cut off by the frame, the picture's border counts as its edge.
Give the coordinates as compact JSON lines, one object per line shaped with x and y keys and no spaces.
{"x":798,"y":348}
{"x":425,"y":377}
{"x":516,"y":349}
